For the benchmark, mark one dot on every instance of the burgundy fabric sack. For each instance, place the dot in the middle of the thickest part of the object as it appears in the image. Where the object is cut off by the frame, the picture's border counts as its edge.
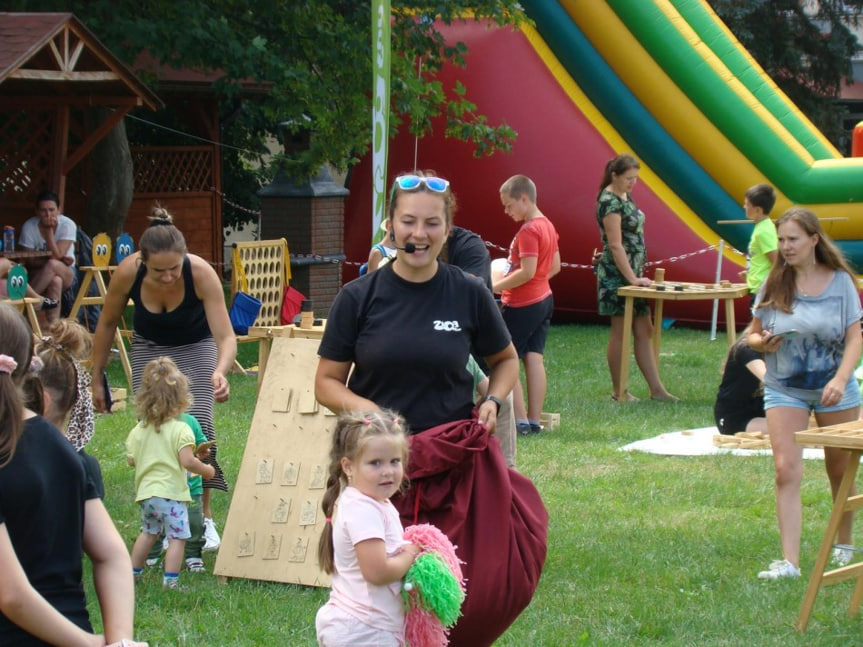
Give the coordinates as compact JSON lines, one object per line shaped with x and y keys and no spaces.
{"x":460,"y":483}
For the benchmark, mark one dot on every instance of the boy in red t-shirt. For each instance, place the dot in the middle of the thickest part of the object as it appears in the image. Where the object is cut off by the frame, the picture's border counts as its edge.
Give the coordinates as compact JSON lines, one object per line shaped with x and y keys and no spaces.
{"x":533,"y":259}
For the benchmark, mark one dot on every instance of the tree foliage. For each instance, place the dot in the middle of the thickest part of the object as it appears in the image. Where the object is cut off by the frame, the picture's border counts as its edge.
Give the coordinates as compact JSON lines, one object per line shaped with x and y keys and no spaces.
{"x":314,"y":58}
{"x":805,"y":46}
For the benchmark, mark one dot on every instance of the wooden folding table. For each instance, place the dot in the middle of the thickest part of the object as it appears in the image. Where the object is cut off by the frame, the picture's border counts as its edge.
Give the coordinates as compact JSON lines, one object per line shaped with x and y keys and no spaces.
{"x":848,"y":436}
{"x":96,"y":274}
{"x":671,"y":291}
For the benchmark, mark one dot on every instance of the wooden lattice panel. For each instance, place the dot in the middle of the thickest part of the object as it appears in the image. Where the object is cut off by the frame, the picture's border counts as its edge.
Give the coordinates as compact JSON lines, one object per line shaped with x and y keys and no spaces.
{"x":171,"y":169}
{"x":25,"y":148}
{"x":263,"y":262}
{"x":848,"y":435}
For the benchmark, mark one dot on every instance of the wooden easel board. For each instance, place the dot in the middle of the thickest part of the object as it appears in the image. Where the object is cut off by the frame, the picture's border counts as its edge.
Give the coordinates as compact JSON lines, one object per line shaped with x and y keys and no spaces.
{"x":275,"y":518}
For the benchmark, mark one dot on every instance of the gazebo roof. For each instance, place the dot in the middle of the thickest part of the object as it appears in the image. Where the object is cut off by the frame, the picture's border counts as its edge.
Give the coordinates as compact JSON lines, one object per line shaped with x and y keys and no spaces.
{"x":53,"y":70}
{"x":48,"y":58}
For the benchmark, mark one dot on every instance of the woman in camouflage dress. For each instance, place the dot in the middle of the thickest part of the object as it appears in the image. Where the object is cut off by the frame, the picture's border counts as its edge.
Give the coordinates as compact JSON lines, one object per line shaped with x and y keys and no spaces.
{"x":621,"y":226}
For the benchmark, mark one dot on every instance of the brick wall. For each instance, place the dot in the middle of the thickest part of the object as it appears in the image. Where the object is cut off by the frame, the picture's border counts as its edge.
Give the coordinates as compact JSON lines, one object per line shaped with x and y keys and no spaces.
{"x":320,"y":283}
{"x":312,"y":224}
{"x":328,"y":232}
{"x":194,"y":214}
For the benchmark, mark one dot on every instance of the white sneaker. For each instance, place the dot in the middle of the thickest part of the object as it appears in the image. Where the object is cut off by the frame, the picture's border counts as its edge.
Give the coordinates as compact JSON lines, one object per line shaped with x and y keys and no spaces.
{"x":212,"y":541}
{"x":164,"y":544}
{"x":152,"y":561}
{"x":195,"y":565}
{"x":842,"y":555}
{"x":779,"y":569}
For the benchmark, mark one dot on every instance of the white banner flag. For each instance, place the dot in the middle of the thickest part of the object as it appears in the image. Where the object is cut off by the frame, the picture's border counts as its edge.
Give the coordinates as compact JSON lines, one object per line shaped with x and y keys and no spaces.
{"x":380,"y":109}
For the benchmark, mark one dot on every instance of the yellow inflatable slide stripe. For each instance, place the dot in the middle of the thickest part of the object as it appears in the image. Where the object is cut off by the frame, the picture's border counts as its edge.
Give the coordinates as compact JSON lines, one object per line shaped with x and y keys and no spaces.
{"x":709,"y":58}
{"x":696,"y":134}
{"x":617,"y":143}
{"x":765,"y":78}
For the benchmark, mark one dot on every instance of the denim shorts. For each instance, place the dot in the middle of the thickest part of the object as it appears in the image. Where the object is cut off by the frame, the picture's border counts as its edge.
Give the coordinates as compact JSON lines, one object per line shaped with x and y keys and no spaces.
{"x":776,"y":398}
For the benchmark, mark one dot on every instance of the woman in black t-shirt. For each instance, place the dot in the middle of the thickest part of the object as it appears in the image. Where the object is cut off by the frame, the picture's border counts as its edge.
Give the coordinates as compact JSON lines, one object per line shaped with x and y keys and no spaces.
{"x":399,"y":338}
{"x":408,"y":329}
{"x":740,"y":400}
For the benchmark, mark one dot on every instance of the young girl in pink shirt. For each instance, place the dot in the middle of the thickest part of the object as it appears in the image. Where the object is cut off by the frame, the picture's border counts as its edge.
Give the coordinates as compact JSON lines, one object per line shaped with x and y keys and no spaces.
{"x":362,"y":545}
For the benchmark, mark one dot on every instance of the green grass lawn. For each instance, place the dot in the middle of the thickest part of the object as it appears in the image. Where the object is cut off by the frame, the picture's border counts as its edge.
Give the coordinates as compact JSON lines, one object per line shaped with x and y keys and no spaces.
{"x":643,"y":549}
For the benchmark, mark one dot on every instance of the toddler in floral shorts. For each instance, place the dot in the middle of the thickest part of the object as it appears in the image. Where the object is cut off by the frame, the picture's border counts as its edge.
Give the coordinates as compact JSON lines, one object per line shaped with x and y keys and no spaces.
{"x":161,"y":447}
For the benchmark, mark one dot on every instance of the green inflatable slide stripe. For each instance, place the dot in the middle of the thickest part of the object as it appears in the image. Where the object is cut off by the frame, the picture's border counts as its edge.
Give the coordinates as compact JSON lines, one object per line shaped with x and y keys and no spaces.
{"x":704,"y":23}
{"x":782,"y":165}
{"x":707,"y":90}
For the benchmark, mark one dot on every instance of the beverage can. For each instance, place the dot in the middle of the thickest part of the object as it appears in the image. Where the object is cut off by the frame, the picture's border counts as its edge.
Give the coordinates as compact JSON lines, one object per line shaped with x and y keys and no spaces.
{"x":8,"y":238}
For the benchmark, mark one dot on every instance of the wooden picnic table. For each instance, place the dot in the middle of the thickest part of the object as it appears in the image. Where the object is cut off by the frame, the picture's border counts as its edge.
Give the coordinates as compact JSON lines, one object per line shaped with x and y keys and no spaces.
{"x":24,"y":254}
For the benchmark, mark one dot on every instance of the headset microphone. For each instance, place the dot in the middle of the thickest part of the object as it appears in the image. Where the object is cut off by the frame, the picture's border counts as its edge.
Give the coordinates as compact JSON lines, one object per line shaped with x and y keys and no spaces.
{"x":410,"y":248}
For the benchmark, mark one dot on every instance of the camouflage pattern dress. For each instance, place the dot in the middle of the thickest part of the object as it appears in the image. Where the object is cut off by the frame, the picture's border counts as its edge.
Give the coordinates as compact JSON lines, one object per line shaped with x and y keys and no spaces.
{"x":608,"y":277}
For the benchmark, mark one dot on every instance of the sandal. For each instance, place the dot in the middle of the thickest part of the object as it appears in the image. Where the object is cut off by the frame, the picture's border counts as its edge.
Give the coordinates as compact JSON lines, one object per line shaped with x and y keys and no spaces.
{"x":48,"y":303}
{"x":629,"y":397}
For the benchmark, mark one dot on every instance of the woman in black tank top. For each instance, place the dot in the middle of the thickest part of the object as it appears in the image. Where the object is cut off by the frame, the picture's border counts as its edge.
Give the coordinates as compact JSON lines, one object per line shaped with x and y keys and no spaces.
{"x":180,"y":313}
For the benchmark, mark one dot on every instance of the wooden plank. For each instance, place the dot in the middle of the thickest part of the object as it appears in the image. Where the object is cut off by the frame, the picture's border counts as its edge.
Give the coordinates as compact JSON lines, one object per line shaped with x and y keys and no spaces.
{"x":37,"y":101}
{"x":61,"y":75}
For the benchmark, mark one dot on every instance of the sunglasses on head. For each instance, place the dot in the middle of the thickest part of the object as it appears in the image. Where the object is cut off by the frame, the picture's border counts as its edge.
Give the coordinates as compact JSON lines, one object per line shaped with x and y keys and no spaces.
{"x":414,"y":182}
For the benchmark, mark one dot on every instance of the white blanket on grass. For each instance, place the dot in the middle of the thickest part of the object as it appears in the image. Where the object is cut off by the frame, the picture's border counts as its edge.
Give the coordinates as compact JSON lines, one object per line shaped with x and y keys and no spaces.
{"x":699,"y":442}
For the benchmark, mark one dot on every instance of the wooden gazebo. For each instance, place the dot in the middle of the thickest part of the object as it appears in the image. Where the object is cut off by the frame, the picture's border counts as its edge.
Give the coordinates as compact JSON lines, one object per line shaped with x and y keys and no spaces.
{"x":54,"y":73}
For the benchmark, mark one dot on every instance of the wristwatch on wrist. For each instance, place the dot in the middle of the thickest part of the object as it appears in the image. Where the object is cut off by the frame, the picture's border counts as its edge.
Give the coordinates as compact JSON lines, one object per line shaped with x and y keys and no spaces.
{"x":491,"y":398}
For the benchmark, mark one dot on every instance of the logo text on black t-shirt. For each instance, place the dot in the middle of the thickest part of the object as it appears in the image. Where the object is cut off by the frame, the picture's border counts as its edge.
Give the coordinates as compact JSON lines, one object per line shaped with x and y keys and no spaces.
{"x":447,"y":325}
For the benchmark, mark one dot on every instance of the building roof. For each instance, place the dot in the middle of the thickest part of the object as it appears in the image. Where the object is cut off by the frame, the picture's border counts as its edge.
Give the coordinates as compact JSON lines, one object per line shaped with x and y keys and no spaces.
{"x":51,"y":57}
{"x":191,"y":79}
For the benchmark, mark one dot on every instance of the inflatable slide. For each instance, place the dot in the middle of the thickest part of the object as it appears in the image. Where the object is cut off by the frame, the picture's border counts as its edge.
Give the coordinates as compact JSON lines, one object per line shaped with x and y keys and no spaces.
{"x":663,"y":79}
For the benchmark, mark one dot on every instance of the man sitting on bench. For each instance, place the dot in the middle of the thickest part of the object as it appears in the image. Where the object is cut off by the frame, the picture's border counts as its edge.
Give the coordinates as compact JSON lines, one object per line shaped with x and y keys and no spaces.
{"x":50,"y":231}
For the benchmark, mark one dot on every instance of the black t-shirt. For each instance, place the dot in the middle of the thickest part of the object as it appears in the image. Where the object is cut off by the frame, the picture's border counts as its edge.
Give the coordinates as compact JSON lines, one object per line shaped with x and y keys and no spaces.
{"x":42,"y":494}
{"x":94,"y":472}
{"x":740,"y":394}
{"x":466,"y":250}
{"x":410,"y":342}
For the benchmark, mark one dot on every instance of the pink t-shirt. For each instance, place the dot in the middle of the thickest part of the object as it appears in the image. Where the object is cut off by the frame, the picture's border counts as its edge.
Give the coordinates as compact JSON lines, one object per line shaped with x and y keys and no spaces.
{"x":537,"y":237}
{"x":359,"y":517}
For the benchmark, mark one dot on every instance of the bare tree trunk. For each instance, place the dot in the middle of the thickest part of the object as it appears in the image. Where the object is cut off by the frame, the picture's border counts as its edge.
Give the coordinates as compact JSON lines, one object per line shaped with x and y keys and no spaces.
{"x":113,"y":182}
